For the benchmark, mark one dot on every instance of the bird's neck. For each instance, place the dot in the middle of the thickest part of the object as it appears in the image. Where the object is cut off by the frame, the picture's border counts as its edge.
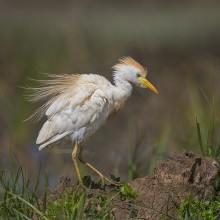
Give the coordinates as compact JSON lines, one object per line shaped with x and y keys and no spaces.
{"x":123,"y":88}
{"x":122,"y":84}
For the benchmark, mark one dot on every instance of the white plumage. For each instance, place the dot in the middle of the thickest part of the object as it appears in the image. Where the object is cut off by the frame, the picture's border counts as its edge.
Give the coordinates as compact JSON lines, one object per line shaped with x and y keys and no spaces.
{"x":77,"y":111}
{"x":77,"y":105}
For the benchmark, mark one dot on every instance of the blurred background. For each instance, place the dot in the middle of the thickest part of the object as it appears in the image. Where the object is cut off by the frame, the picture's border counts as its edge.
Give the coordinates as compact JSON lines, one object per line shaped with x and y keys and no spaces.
{"x":179,"y":43}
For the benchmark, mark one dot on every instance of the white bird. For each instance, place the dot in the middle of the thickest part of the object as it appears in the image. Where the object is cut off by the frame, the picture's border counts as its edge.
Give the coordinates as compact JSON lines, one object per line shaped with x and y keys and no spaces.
{"x":77,"y":105}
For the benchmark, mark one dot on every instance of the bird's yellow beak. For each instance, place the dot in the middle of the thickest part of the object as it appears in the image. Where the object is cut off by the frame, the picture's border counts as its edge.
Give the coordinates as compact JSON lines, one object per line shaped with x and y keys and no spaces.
{"x":146,"y":83}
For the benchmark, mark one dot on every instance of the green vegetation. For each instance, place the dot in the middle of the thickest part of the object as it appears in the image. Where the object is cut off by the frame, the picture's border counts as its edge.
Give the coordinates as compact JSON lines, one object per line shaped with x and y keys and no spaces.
{"x":195,"y":209}
{"x":76,"y":205}
{"x":127,"y":192}
{"x":20,"y":198}
{"x":212,"y":147}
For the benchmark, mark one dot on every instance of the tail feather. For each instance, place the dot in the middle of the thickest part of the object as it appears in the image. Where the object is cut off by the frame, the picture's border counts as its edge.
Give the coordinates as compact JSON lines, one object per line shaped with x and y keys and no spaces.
{"x":53,"y":140}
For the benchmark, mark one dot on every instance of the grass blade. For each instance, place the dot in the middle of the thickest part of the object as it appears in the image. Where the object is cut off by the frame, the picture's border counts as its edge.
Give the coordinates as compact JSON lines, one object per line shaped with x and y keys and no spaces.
{"x":30,"y":205}
{"x":200,"y":137}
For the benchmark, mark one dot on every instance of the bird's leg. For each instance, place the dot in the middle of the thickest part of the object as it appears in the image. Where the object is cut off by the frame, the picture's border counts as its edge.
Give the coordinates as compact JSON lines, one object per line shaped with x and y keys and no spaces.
{"x":74,"y":155}
{"x":80,"y":156}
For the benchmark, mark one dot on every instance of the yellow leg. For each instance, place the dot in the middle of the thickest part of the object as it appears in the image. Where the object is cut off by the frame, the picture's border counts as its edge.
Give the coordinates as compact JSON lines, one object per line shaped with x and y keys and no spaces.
{"x":95,"y":170}
{"x":74,"y":155}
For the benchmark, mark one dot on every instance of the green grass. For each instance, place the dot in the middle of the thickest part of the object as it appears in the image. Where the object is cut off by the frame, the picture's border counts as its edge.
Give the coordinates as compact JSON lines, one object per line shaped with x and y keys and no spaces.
{"x":20,"y":198}
{"x":195,"y":209}
{"x":77,"y":205}
{"x":83,"y":204}
{"x":212,"y":146}
{"x":126,"y":191}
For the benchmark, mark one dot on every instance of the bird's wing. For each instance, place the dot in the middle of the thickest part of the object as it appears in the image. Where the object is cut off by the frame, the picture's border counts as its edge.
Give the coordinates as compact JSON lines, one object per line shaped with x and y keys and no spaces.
{"x":72,"y":110}
{"x":75,"y":96}
{"x":70,"y":119}
{"x":58,"y":91}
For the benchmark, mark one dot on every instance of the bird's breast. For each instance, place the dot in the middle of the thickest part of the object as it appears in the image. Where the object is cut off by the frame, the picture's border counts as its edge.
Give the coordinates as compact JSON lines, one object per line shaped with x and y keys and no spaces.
{"x":119,"y":104}
{"x":116,"y":107}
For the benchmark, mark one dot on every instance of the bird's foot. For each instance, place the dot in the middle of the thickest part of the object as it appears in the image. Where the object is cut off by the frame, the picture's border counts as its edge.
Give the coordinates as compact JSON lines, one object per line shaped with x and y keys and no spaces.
{"x":87,"y":182}
{"x":112,"y":182}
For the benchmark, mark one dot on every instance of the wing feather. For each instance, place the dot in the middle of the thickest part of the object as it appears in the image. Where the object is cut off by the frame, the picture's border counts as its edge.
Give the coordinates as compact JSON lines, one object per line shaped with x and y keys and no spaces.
{"x":71,"y":106}
{"x":72,"y":119}
{"x":50,"y":90}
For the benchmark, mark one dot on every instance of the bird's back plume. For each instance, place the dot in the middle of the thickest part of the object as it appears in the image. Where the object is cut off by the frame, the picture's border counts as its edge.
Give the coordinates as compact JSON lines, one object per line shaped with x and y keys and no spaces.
{"x":49,"y":90}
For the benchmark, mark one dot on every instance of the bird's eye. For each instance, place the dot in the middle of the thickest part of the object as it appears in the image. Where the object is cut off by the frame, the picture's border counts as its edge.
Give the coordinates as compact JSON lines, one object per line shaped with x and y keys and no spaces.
{"x":138,"y":75}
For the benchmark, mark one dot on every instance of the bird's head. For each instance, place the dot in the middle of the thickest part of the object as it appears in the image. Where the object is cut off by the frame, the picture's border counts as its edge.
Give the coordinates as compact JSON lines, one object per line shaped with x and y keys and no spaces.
{"x":131,"y":71}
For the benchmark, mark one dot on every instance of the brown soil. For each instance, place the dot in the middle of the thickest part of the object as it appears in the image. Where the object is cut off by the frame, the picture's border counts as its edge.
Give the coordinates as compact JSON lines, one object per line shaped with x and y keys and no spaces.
{"x":181,"y":175}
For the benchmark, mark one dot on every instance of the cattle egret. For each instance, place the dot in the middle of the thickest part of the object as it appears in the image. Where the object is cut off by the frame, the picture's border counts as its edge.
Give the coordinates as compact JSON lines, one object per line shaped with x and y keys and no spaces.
{"x":77,"y":105}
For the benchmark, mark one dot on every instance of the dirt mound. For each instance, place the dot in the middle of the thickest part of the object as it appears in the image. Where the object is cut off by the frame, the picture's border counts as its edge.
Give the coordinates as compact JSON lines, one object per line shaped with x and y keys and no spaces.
{"x":181,"y":175}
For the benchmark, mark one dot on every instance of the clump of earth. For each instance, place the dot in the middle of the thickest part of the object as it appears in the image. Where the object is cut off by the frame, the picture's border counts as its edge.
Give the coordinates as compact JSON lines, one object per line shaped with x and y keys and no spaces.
{"x":160,"y":194}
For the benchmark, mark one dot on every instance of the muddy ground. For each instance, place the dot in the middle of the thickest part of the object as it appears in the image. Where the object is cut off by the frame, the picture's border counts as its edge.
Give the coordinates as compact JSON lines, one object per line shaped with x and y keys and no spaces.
{"x":160,"y":194}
